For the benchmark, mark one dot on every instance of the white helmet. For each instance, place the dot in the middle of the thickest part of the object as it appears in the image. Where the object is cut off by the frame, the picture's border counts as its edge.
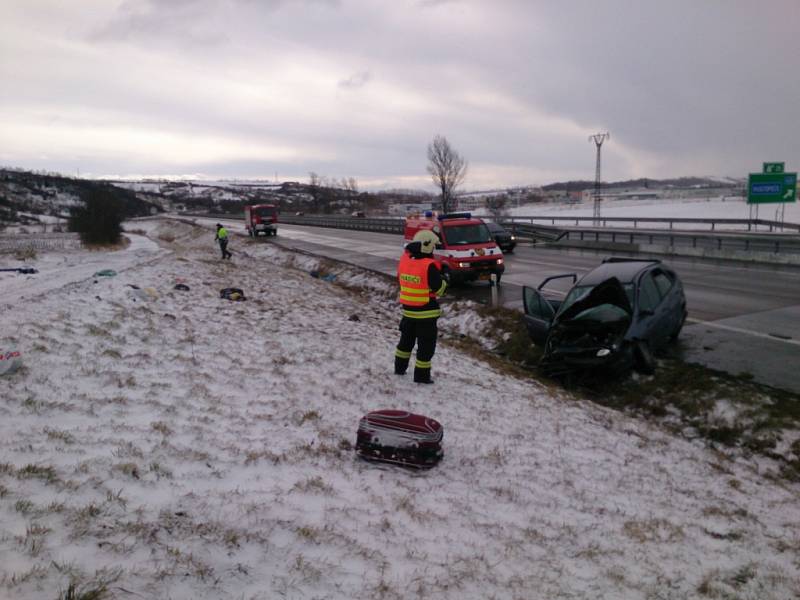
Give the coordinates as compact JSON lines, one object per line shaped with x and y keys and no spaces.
{"x":427,"y":240}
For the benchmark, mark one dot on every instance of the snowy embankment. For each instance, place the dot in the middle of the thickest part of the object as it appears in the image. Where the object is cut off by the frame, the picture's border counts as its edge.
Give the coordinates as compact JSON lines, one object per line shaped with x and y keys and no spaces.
{"x":175,"y":445}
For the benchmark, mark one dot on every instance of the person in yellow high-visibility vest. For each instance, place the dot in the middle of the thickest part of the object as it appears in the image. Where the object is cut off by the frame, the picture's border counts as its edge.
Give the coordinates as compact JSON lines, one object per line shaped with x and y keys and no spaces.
{"x":222,"y":238}
{"x":421,"y":283}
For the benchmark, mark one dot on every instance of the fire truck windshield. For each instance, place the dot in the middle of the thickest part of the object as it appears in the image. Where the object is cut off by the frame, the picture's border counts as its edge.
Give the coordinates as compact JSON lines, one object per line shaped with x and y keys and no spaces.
{"x":458,"y":235}
{"x":265,"y":211}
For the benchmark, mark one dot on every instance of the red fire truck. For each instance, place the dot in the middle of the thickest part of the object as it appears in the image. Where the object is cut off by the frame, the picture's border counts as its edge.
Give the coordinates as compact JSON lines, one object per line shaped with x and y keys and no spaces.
{"x":467,"y":251}
{"x":261,"y":218}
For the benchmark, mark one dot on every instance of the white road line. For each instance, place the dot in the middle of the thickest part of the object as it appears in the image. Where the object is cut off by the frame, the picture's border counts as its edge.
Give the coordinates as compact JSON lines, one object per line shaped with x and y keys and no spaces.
{"x":744,"y":331}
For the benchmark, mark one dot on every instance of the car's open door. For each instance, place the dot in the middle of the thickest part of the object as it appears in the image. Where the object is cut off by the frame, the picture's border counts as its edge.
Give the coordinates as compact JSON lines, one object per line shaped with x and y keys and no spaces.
{"x":538,"y":315}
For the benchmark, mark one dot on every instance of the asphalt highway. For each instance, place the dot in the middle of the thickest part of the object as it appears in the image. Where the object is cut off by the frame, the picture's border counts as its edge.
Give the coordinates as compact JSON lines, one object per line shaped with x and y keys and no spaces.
{"x":743,"y":318}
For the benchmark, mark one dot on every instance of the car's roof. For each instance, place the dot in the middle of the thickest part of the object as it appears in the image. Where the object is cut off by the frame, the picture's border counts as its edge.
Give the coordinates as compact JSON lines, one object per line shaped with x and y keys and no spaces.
{"x":624,"y":271}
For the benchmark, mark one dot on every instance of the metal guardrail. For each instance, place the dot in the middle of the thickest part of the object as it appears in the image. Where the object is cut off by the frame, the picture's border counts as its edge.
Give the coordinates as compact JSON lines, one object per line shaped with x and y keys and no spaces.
{"x":523,"y":228}
{"x":380,"y":224}
{"x":395,"y":224}
{"x":536,"y":232}
{"x":670,"y":222}
{"x":774,"y":244}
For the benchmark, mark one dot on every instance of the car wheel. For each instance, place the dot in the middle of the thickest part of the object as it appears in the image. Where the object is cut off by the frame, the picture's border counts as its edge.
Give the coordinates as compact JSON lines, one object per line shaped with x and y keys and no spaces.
{"x":674,"y":335}
{"x":643,"y":359}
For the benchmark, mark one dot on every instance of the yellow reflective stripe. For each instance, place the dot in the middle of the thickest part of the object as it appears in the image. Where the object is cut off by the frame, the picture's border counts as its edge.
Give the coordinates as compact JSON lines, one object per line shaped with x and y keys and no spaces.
{"x":417,"y":291}
{"x":422,"y":314}
{"x":402,"y":354}
{"x":413,"y":300}
{"x":440,"y":291}
{"x":422,"y":364}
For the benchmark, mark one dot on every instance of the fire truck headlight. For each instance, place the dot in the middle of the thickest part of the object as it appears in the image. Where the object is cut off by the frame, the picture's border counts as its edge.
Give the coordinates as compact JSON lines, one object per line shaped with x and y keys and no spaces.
{"x":463,"y":265}
{"x":499,"y":261}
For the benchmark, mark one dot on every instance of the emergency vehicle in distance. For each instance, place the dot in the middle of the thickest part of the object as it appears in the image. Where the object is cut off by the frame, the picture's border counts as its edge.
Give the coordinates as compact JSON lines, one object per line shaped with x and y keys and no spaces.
{"x":467,"y":251}
{"x":261,"y":218}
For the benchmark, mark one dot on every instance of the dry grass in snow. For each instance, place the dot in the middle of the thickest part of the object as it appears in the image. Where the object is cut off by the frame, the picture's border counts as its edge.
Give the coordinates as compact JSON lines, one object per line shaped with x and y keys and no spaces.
{"x":184,"y":446}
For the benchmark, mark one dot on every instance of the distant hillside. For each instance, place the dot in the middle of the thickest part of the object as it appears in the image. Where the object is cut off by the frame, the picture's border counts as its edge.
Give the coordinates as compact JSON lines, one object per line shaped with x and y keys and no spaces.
{"x":680,"y":183}
{"x":30,"y":198}
{"x":289,"y":196}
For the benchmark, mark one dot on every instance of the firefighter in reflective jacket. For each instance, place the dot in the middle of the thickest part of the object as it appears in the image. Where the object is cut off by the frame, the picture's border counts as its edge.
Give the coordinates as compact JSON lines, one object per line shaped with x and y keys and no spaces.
{"x":222,"y":240}
{"x":421,"y":283}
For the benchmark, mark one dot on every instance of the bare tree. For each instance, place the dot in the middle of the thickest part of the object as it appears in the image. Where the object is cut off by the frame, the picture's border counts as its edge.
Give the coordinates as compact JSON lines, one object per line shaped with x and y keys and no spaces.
{"x":447,"y":168}
{"x":315,"y":183}
{"x":497,"y":205}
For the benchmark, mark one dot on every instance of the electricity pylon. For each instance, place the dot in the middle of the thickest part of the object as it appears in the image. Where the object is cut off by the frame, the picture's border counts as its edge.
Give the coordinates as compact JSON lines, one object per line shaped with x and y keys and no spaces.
{"x":598,"y":139}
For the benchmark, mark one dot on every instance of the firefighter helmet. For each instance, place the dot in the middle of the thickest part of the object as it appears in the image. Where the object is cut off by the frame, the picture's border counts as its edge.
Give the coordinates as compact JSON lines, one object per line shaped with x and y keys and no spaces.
{"x":427,"y":240}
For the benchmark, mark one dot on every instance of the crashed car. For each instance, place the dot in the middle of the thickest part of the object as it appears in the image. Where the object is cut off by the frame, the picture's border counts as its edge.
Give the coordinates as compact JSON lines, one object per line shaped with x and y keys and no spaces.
{"x":612,"y":319}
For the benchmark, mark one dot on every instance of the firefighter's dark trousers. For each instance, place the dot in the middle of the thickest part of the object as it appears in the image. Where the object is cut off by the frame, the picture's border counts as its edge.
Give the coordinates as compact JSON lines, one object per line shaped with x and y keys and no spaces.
{"x":223,"y":246}
{"x":421,"y":332}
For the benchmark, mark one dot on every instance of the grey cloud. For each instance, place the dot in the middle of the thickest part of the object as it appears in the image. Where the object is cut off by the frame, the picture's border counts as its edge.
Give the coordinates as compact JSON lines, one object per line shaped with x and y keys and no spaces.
{"x":358,"y":80}
{"x":707,"y":86}
{"x":173,"y":22}
{"x":435,"y":3}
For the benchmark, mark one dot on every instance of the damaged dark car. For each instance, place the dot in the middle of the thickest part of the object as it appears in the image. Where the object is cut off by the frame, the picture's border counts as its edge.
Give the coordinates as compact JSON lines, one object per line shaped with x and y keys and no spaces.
{"x":613,"y":319}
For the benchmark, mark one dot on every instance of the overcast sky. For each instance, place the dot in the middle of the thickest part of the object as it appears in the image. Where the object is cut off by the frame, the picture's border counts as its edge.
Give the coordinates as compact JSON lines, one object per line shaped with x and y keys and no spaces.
{"x":358,"y":88}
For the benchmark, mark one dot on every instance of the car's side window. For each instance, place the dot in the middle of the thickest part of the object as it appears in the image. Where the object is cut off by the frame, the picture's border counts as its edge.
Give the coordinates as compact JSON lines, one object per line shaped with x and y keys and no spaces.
{"x":537,"y":306}
{"x":663,"y":282}
{"x":649,"y":297}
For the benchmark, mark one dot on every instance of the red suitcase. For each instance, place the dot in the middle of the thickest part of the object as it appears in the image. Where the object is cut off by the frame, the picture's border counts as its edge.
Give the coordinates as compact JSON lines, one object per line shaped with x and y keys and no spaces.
{"x":400,"y":437}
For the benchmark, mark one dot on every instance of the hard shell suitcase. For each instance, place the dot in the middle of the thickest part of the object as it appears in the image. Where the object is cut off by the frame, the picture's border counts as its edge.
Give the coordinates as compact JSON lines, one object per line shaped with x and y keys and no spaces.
{"x":400,"y":437}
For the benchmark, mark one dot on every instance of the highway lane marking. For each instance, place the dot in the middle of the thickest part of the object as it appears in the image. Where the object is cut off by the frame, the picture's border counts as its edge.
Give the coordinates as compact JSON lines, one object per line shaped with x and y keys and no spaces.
{"x":744,"y":331}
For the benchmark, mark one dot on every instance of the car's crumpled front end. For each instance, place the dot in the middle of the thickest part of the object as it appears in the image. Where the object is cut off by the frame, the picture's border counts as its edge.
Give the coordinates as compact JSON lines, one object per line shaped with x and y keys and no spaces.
{"x":590,"y":333}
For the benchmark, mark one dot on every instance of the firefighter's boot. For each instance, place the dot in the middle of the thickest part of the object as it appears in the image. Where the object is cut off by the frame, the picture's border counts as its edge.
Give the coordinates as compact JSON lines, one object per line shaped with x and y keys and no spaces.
{"x":401,"y":359}
{"x":422,"y":375}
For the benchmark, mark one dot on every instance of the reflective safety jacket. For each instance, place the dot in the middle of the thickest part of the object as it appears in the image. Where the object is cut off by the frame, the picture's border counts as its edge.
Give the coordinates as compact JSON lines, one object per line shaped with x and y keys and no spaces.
{"x":222,"y":233}
{"x":421,"y":284}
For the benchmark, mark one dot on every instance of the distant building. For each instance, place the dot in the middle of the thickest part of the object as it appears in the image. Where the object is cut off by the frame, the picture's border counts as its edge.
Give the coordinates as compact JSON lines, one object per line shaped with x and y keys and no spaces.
{"x":643,"y":194}
{"x":405,"y":209}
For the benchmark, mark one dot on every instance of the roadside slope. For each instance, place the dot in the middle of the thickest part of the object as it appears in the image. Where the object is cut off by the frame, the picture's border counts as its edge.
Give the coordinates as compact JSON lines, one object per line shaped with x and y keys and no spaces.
{"x":184,"y":446}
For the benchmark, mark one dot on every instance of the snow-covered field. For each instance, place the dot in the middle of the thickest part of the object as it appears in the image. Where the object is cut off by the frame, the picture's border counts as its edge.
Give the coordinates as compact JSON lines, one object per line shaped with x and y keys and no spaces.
{"x":686,"y":208}
{"x":167,"y":444}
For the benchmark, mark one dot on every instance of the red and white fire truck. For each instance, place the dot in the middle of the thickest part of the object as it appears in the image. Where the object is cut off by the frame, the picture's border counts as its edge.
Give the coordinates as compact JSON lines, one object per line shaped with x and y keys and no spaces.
{"x":261,"y":218}
{"x":467,"y":251}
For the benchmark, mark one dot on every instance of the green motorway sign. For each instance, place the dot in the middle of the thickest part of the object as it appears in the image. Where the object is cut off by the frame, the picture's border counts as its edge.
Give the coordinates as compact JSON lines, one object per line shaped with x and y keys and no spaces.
{"x":763,"y":188}
{"x":773,"y":167}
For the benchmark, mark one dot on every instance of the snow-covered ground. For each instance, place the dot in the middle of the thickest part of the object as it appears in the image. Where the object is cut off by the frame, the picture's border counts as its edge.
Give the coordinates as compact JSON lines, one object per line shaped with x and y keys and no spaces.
{"x":168,"y":444}
{"x":687,"y":208}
